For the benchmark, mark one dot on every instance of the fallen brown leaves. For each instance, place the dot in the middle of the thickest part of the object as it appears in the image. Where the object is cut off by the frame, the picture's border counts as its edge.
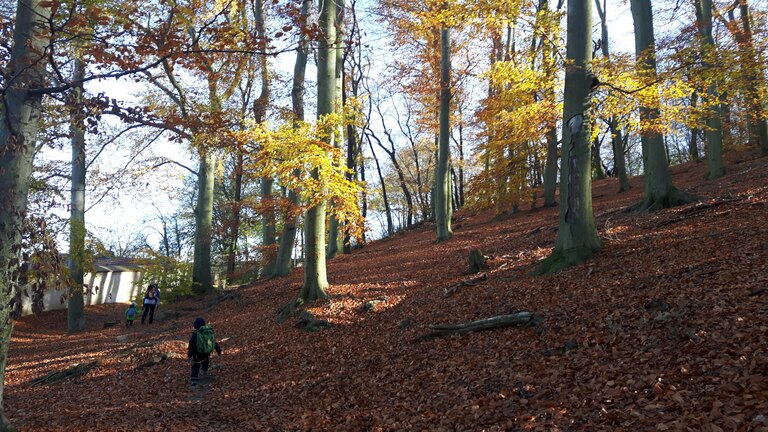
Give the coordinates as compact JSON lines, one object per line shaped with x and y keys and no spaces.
{"x":657,"y":332}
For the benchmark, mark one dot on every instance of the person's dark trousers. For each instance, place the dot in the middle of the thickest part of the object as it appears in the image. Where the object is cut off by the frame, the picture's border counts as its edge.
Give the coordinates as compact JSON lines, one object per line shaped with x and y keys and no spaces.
{"x":197,"y":364}
{"x":148,"y":309}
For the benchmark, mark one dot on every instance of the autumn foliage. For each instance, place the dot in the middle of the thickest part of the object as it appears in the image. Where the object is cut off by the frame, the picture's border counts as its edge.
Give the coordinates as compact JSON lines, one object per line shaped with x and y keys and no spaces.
{"x":664,"y":330}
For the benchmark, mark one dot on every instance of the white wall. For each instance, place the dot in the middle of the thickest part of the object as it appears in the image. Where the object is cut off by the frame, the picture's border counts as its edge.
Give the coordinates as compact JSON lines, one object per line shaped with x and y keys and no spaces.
{"x":107,"y":287}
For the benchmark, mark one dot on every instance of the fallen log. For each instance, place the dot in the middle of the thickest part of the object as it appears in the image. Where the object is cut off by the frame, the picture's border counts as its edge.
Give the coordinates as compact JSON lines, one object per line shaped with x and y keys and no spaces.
{"x":519,"y":318}
{"x":73,"y":371}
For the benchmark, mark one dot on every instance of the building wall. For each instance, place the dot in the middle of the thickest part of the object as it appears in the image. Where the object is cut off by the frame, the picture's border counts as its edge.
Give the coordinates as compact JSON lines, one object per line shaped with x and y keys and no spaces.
{"x":107,"y":287}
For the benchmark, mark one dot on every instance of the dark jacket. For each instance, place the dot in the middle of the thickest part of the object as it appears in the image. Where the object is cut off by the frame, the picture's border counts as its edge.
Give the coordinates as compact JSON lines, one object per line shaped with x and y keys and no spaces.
{"x":192,"y":346}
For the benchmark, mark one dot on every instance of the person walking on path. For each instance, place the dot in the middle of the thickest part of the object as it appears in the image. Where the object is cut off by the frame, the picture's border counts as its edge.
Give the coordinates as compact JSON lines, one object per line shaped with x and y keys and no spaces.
{"x":150,"y":303}
{"x":130,"y":314}
{"x":201,"y":344}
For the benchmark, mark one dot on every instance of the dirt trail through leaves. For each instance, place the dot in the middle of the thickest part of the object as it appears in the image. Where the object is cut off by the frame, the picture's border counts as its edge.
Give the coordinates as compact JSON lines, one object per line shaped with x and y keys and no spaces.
{"x":665,"y":329}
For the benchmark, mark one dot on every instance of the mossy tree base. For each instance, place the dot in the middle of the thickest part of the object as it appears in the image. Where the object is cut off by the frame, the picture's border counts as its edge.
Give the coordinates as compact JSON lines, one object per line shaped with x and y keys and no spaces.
{"x":673,"y":198}
{"x":561,"y":259}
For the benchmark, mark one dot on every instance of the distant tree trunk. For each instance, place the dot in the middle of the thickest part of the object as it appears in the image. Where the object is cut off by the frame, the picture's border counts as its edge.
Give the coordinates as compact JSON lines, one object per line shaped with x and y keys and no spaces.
{"x":288,"y":238}
{"x":76,"y":259}
{"x":693,"y":143}
{"x":549,"y":56}
{"x":598,"y":173}
{"x":20,"y":120}
{"x":387,"y":208}
{"x":577,"y":237}
{"x":335,"y":235}
{"x":442,"y":203}
{"x":619,"y":164}
{"x":659,"y":190}
{"x":714,"y":123}
{"x":234,"y":229}
{"x":202,"y":279}
{"x":260,"y":107}
{"x":753,"y":67}
{"x":315,"y":276}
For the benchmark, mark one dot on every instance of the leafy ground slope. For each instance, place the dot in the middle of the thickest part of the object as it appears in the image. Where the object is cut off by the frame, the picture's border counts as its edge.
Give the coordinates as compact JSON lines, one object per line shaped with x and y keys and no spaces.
{"x":665,"y":329}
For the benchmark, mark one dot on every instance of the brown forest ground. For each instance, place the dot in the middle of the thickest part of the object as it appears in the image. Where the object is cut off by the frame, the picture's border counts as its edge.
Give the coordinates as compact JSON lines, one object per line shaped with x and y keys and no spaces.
{"x":665,"y":329}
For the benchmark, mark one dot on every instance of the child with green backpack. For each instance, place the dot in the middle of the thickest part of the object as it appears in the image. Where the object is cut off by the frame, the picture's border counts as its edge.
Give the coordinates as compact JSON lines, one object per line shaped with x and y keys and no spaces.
{"x":130,"y":314}
{"x":201,"y":345}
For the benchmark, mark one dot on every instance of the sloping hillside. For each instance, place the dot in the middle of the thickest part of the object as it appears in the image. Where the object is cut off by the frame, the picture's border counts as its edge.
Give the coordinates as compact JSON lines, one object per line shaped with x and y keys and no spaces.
{"x":665,"y":329}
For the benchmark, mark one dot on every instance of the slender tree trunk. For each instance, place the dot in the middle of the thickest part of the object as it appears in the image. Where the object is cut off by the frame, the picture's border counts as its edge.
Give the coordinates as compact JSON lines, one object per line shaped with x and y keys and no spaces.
{"x":315,"y":276}
{"x":753,"y":67}
{"x":577,"y":237}
{"x":598,"y":172}
{"x":335,"y":235}
{"x":202,"y":279}
{"x":387,"y":208}
{"x":234,"y":229}
{"x":549,"y":56}
{"x":19,"y":126}
{"x":442,"y":203}
{"x":659,"y":190}
{"x":76,"y":259}
{"x":693,"y":143}
{"x":714,"y":123}
{"x":619,"y":164}
{"x":268,"y":230}
{"x":288,"y":237}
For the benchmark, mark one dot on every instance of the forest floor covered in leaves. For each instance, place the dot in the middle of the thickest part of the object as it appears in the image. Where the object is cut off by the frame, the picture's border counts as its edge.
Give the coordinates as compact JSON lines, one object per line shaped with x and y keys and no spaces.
{"x":666,"y":328}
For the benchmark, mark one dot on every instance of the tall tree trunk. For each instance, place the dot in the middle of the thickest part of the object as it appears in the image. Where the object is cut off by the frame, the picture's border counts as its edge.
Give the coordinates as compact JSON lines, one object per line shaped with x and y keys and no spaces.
{"x":202,"y":279}
{"x":442,"y":202}
{"x":387,"y":208}
{"x":288,"y":237}
{"x":76,"y":259}
{"x":753,"y":67}
{"x":335,"y":235}
{"x":315,"y":276}
{"x":619,"y":163}
{"x":234,"y":229}
{"x":693,"y":143}
{"x":659,"y":190}
{"x":260,"y":107}
{"x":549,"y":57}
{"x":598,"y":173}
{"x":714,"y":123}
{"x":19,"y":127}
{"x":577,"y":236}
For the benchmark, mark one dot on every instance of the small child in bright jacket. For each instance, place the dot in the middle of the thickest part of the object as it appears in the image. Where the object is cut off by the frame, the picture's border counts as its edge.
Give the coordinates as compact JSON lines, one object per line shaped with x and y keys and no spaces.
{"x":130,"y":314}
{"x":201,"y":344}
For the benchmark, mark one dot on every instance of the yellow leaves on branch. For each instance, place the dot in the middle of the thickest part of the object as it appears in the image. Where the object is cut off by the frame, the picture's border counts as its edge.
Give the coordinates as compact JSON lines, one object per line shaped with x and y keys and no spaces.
{"x":291,"y":152}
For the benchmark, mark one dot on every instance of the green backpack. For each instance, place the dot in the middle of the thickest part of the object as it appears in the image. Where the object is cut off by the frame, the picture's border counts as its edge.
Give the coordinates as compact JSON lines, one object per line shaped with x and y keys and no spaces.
{"x":206,"y":340}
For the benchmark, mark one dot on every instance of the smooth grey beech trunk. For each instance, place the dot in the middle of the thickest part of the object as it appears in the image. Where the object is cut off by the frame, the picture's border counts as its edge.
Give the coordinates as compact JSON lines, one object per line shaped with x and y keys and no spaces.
{"x":754,"y":67}
{"x":19,"y":128}
{"x":442,"y":200}
{"x":75,"y":301}
{"x":335,"y":236}
{"x":659,"y":190}
{"x":617,"y":144}
{"x":288,"y":237}
{"x":714,"y":130}
{"x":202,"y":279}
{"x":577,"y":237}
{"x":315,"y":275}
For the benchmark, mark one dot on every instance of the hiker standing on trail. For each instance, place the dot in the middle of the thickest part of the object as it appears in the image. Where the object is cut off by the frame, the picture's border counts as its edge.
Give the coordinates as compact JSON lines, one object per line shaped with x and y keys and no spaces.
{"x":130,"y":314}
{"x":150,"y":303}
{"x":201,"y":345}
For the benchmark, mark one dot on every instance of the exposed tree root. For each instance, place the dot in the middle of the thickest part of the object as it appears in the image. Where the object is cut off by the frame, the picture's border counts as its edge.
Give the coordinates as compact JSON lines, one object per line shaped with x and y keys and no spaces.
{"x":673,"y":198}
{"x":561,"y":259}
